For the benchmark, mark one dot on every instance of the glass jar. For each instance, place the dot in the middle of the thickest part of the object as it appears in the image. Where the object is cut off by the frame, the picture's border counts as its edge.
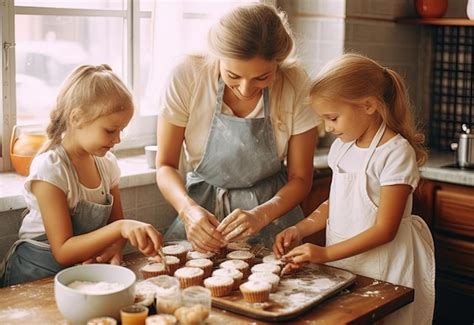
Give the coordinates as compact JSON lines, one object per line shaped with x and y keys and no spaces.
{"x":196,"y":295}
{"x":167,"y":294}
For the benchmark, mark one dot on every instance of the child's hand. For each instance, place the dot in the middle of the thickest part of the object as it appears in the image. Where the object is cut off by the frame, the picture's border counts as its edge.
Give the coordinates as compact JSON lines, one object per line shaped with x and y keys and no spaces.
{"x":285,"y":240}
{"x":142,"y":235}
{"x":307,"y":253}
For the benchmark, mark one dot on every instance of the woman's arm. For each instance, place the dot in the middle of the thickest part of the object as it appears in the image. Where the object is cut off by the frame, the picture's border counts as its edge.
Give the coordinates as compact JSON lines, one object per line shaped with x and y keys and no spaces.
{"x":200,"y":224}
{"x":240,"y":224}
{"x":68,"y":249}
{"x":393,"y":200}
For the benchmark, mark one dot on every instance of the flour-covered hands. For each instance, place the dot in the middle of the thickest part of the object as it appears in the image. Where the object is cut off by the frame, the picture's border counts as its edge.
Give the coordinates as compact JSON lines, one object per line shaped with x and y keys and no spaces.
{"x":285,"y":240}
{"x":240,"y":224}
{"x":201,"y":227}
{"x":307,"y":253}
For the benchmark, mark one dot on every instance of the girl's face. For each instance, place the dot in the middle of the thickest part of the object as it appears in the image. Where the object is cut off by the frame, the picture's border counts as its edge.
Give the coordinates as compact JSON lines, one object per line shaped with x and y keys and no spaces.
{"x":99,"y":136}
{"x":347,"y":122}
{"x":247,"y":78}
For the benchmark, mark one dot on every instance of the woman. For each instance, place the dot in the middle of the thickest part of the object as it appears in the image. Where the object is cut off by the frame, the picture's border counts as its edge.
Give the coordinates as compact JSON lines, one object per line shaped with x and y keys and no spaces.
{"x":240,"y":112}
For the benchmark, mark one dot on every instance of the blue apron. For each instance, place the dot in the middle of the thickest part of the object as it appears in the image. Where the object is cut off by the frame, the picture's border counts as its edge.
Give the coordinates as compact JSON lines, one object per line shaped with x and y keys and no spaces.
{"x":240,"y":168}
{"x":31,"y":259}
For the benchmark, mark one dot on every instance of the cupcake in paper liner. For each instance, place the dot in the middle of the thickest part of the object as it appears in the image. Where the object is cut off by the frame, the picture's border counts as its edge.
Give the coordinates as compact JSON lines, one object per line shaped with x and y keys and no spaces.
{"x":255,"y":291}
{"x":189,"y":276}
{"x":219,"y":285}
{"x":271,"y":278}
{"x":235,"y":274}
{"x":176,"y":250}
{"x":203,"y":263}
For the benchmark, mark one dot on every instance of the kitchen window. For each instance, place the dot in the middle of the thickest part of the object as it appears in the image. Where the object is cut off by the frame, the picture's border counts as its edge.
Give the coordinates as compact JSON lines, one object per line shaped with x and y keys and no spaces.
{"x":44,"y":40}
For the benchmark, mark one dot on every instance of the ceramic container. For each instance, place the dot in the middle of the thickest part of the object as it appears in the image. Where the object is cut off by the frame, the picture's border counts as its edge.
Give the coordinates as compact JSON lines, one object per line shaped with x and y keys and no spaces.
{"x":79,"y":307}
{"x":150,"y":154}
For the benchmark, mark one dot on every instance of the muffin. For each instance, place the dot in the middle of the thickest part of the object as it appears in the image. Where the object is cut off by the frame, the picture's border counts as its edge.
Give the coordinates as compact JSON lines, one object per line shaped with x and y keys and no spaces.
{"x":162,"y":319}
{"x":245,"y":256}
{"x":256,"y":291}
{"x":176,"y":250}
{"x":192,"y":255}
{"x":150,"y":270}
{"x":235,"y":274}
{"x":189,"y":276}
{"x":202,"y":263}
{"x":271,"y":259}
{"x":102,"y":321}
{"x":271,"y":278}
{"x":266,"y":267}
{"x":219,"y":285}
{"x":236,"y":264}
{"x":172,"y":262}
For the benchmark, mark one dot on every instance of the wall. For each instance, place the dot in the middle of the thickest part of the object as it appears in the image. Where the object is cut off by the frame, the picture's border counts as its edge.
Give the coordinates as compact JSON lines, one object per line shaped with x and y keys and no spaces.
{"x":328,"y":28}
{"x":144,"y":203}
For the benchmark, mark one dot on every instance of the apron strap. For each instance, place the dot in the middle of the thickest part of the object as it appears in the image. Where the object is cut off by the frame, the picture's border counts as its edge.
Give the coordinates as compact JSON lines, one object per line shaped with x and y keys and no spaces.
{"x":222,"y":205}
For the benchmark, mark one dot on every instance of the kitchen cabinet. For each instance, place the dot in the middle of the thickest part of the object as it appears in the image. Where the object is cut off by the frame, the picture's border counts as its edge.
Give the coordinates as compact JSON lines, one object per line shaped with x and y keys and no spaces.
{"x":449,"y":211}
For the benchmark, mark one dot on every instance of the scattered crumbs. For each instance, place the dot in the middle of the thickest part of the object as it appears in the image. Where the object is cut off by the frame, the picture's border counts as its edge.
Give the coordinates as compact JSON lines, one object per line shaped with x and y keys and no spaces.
{"x":370,"y":293}
{"x":396,"y":288}
{"x":375,"y":282}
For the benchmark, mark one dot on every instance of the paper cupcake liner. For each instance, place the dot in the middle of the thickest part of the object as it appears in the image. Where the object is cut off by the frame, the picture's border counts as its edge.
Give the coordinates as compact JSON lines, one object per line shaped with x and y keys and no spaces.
{"x":188,"y":282}
{"x":149,"y":274}
{"x":256,"y":296}
{"x":220,"y":291}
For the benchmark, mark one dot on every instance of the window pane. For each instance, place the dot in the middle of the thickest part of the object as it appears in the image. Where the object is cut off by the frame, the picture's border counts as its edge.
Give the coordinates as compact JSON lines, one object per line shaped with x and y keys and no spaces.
{"x":48,"y":48}
{"x":82,"y":4}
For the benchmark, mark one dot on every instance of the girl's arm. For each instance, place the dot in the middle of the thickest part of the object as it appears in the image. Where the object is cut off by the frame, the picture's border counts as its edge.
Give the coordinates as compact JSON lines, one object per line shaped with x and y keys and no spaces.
{"x":393,"y":200}
{"x":68,"y":249}
{"x":199,"y":223}
{"x":240,"y":224}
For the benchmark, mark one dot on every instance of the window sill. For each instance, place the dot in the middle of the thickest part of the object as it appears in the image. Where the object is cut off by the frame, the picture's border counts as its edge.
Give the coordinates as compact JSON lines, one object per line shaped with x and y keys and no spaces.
{"x":132,"y":163}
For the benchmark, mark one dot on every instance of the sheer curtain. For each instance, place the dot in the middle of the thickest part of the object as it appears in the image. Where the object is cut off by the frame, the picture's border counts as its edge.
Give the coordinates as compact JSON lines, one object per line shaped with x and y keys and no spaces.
{"x":178,"y":28}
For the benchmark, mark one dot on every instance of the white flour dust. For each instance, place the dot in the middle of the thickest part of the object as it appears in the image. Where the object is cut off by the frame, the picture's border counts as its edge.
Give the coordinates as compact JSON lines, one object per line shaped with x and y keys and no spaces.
{"x":96,"y":287}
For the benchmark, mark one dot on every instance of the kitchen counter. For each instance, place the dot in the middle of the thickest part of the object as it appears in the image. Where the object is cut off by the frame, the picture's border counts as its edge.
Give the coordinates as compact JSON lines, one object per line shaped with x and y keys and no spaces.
{"x":363,"y":303}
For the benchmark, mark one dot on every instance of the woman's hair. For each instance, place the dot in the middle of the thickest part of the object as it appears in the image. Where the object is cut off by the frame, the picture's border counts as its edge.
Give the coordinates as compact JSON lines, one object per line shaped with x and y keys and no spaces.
{"x":93,"y":90}
{"x":353,"y":77}
{"x":250,"y":31}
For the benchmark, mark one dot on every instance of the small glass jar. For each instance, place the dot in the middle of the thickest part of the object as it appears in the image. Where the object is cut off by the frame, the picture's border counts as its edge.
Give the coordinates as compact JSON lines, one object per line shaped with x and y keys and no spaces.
{"x":196,"y":295}
{"x":167,"y":294}
{"x":133,"y":314}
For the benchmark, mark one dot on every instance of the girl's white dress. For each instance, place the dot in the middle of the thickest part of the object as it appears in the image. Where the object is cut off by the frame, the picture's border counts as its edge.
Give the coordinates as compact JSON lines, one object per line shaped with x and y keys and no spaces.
{"x":408,"y":260}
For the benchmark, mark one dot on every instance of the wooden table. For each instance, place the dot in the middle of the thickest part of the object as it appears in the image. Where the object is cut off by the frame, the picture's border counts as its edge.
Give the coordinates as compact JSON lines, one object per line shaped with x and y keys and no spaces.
{"x":366,"y":301}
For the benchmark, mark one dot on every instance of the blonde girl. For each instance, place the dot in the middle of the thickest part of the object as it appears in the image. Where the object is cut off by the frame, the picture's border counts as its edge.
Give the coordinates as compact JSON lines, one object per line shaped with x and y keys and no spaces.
{"x":374,"y":160}
{"x":240,"y":111}
{"x":74,"y":213}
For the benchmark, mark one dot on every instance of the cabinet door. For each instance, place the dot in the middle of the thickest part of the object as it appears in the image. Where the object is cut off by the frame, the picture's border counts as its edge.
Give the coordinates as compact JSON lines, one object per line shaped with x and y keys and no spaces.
{"x":455,"y":210}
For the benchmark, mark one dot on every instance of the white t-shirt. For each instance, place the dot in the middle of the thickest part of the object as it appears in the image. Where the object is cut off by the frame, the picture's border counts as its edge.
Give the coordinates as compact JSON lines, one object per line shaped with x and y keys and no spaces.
{"x":392,"y":163}
{"x":48,"y":167}
{"x":189,"y":101}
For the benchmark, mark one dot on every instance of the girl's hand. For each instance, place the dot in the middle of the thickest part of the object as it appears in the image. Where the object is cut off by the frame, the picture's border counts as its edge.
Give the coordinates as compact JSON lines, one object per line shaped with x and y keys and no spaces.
{"x":285,"y":240}
{"x":201,"y":229}
{"x":142,"y":235}
{"x":307,"y":253}
{"x":112,"y":254}
{"x":240,"y":224}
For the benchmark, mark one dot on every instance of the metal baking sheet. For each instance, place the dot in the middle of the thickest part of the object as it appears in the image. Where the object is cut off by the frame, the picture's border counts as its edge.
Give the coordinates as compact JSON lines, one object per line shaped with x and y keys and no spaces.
{"x":297,"y":293}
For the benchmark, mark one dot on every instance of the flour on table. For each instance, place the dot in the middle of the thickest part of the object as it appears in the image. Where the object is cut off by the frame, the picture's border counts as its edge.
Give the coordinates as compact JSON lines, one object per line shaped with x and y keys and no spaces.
{"x":96,"y":287}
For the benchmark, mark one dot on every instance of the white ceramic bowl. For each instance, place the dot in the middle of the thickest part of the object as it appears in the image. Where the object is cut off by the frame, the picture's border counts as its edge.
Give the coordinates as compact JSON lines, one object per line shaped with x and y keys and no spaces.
{"x":79,"y":307}
{"x":150,"y":154}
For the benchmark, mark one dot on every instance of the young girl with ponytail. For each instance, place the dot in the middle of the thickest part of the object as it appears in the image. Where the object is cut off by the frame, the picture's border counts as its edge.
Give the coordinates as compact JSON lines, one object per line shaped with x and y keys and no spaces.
{"x":369,"y":226}
{"x":74,"y":212}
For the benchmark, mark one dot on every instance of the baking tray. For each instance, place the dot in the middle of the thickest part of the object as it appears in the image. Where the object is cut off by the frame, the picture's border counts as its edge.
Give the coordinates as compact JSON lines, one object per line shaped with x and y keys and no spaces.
{"x":297,"y":293}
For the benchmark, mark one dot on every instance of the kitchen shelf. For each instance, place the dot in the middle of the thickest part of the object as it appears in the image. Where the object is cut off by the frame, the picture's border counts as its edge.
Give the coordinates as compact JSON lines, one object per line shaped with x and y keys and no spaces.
{"x":437,"y":21}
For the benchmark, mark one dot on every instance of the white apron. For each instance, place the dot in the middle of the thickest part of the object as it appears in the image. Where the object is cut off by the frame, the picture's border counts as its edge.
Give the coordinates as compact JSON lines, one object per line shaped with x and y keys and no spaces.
{"x":407,"y":260}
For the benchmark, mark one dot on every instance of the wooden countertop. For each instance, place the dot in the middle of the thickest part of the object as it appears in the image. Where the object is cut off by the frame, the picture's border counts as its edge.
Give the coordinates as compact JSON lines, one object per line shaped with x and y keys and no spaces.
{"x":362,"y":303}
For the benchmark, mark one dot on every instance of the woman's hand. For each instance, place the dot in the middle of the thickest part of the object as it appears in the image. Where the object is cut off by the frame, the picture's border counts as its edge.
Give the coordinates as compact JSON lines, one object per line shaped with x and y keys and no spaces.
{"x":112,"y":254}
{"x":201,"y":229}
{"x":142,"y":235}
{"x":240,"y":224}
{"x":285,"y":240}
{"x":306,"y":253}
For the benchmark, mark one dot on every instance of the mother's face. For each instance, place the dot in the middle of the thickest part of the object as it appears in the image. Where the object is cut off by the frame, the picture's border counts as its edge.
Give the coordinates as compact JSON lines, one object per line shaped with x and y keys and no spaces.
{"x":247,"y":78}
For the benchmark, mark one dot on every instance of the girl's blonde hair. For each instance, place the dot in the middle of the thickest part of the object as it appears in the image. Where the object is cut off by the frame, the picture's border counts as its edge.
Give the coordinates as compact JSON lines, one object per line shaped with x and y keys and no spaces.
{"x":93,"y":90}
{"x":353,"y":77}
{"x":250,"y":31}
